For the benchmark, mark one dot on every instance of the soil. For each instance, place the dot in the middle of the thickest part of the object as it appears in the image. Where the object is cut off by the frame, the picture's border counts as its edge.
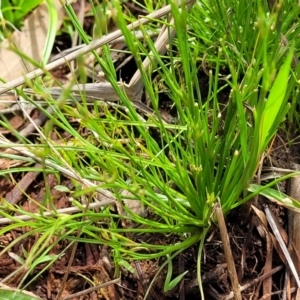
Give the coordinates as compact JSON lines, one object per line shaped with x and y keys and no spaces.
{"x":253,"y":253}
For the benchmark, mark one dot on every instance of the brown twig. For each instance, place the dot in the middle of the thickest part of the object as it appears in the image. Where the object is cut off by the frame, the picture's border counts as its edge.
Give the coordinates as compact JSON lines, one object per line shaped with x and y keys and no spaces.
{"x":267,"y":283}
{"x":68,"y":210}
{"x":255,"y":281}
{"x":14,"y":196}
{"x":92,"y":46}
{"x":94,"y":288}
{"x":294,"y":222}
{"x":228,"y":254}
{"x":70,"y":262}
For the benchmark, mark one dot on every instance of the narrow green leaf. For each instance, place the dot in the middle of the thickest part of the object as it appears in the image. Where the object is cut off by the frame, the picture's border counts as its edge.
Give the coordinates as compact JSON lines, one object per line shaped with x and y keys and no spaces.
{"x":170,"y":284}
{"x":51,"y":33}
{"x":7,"y":11}
{"x":125,"y":264}
{"x":15,"y":295}
{"x":275,"y":100}
{"x":46,"y":258}
{"x":25,"y":7}
{"x":62,"y":188}
{"x":276,"y":196}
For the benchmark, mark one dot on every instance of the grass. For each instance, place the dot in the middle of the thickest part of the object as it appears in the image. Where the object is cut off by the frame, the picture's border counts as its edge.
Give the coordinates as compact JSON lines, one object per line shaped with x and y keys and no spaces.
{"x":12,"y":14}
{"x":177,"y":171}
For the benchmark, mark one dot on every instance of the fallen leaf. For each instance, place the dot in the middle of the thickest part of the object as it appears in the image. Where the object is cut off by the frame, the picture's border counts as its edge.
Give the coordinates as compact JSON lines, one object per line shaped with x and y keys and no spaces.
{"x":30,"y":41}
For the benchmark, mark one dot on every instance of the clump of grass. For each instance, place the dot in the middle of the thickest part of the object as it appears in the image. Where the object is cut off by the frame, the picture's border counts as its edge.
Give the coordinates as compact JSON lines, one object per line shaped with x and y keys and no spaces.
{"x":177,"y":171}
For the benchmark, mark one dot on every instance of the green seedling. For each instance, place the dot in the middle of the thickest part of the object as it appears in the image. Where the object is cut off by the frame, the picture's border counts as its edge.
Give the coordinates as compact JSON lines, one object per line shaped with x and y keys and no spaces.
{"x":170,"y":284}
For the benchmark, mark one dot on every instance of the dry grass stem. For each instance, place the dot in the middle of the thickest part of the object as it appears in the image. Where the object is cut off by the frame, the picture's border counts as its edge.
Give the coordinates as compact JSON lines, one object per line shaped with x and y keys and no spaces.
{"x":68,"y":211}
{"x":282,"y":244}
{"x":94,"y":288}
{"x":228,"y":254}
{"x":88,"y":48}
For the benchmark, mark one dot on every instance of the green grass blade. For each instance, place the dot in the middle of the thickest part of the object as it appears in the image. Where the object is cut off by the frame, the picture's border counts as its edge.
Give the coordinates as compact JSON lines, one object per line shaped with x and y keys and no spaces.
{"x":51,"y":33}
{"x":275,"y":102}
